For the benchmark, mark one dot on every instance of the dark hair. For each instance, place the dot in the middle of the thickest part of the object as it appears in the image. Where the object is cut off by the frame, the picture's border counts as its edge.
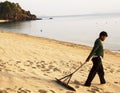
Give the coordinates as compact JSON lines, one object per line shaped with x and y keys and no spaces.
{"x":103,"y":33}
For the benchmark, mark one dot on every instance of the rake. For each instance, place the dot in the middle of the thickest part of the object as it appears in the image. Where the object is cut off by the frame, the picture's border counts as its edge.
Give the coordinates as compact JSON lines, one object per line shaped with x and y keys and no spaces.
{"x":64,"y":81}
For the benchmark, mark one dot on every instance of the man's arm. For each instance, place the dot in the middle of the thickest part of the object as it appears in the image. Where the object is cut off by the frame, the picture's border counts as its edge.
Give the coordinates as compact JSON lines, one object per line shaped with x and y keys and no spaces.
{"x":96,"y":46}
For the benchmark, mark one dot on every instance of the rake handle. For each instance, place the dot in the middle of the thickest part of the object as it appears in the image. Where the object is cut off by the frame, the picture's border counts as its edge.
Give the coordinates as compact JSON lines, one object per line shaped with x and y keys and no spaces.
{"x":66,"y":76}
{"x":70,"y":75}
{"x":79,"y":68}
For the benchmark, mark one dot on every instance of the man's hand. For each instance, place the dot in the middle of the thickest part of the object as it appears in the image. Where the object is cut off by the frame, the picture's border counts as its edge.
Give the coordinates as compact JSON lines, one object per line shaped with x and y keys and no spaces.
{"x":87,"y":60}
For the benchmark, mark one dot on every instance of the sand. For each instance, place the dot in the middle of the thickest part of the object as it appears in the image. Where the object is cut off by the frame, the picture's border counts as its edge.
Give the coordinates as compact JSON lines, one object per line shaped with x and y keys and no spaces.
{"x":30,"y":65}
{"x":2,"y":21}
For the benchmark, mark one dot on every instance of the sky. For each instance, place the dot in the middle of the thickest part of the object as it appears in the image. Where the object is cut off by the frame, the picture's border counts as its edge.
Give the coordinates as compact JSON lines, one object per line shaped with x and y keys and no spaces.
{"x":68,"y":7}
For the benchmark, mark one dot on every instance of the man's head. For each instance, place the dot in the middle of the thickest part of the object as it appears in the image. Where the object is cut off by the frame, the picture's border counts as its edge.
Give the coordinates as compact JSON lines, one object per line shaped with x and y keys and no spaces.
{"x":103,"y":35}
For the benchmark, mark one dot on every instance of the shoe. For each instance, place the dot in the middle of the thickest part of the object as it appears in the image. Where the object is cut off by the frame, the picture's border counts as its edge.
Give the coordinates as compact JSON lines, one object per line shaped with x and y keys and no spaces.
{"x":103,"y":83}
{"x":88,"y":85}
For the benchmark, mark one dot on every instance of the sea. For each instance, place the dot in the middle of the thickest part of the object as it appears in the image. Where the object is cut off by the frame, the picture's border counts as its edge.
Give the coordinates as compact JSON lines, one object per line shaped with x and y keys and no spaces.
{"x":79,"y":29}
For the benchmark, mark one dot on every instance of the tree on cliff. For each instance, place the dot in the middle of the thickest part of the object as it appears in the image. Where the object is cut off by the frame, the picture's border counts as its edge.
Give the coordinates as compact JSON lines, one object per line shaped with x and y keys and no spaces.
{"x":13,"y":12}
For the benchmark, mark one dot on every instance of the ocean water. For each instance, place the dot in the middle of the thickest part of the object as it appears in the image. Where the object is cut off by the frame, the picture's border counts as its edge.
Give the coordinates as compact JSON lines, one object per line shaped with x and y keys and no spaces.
{"x":76,"y":29}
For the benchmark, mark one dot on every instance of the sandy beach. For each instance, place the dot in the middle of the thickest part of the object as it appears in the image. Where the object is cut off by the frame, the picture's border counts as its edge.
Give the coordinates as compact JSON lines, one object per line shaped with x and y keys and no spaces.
{"x":30,"y":65}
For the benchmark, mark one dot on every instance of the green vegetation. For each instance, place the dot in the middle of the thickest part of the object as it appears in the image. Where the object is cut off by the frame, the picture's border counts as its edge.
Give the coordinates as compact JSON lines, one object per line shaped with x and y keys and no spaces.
{"x":13,"y":12}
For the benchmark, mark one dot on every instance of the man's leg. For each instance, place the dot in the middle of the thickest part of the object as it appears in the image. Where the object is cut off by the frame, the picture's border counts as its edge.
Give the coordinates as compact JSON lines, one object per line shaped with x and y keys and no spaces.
{"x":92,"y":72}
{"x":101,"y":74}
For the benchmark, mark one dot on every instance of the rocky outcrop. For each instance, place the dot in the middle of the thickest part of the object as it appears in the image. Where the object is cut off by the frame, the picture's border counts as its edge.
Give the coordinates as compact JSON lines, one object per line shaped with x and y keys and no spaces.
{"x":13,"y":12}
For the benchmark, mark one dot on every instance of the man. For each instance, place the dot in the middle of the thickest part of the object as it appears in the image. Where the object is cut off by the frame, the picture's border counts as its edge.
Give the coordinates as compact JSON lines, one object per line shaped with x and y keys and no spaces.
{"x":97,"y":54}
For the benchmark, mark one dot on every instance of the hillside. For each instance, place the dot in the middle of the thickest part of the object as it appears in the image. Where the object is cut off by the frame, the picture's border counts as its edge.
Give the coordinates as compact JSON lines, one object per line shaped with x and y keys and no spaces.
{"x":14,"y":12}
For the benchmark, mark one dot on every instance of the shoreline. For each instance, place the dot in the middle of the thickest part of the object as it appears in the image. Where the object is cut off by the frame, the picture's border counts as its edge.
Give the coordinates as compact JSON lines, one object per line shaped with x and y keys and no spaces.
{"x":67,"y":43}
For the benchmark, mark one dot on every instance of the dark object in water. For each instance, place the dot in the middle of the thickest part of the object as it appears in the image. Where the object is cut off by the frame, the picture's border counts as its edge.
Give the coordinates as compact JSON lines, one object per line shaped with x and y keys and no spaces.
{"x":50,"y":18}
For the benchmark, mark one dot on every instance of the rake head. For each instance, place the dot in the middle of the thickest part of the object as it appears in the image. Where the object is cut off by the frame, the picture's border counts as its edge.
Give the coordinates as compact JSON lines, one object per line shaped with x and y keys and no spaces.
{"x":65,"y":81}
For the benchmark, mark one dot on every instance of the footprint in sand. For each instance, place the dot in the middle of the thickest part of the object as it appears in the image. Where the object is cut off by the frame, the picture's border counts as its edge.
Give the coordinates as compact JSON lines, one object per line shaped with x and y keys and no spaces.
{"x":2,"y":66}
{"x":109,"y":69}
{"x":21,"y":70}
{"x":1,"y":60}
{"x":52,"y":91}
{"x":17,"y":62}
{"x":28,"y":63}
{"x":10,"y":89}
{"x":42,"y":91}
{"x":52,"y":68}
{"x":40,"y":64}
{"x":76,"y":82}
{"x":95,"y":89}
{"x":118,"y":71}
{"x":46,"y":67}
{"x":56,"y":69}
{"x":3,"y":91}
{"x":21,"y":90}
{"x":117,"y":82}
{"x":69,"y":92}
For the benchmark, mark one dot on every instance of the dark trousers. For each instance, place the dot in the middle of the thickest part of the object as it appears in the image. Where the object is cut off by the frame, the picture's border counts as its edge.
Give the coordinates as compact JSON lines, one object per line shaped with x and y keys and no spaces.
{"x":97,"y":68}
